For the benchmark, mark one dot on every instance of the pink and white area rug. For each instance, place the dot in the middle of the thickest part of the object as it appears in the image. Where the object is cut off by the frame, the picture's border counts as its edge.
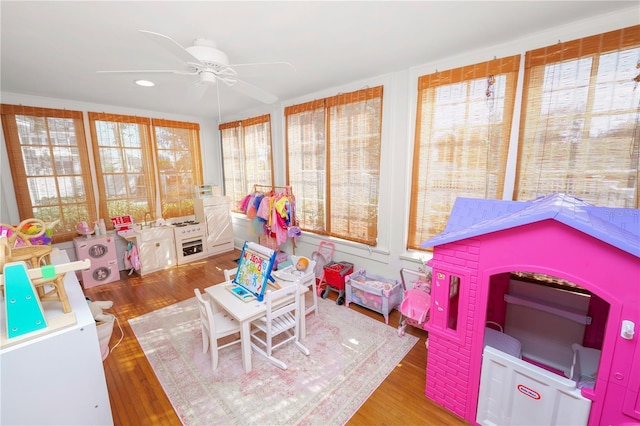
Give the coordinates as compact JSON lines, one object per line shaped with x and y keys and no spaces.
{"x":351,"y":355}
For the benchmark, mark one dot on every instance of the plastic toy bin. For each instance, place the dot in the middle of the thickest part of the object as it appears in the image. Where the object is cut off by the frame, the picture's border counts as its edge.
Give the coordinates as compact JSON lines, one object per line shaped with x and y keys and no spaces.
{"x":373,"y":292}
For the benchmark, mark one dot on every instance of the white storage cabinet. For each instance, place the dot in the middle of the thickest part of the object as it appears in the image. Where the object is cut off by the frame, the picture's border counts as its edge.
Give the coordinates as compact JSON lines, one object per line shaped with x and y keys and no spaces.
{"x":215,"y":213}
{"x":56,"y":378}
{"x":156,"y":248}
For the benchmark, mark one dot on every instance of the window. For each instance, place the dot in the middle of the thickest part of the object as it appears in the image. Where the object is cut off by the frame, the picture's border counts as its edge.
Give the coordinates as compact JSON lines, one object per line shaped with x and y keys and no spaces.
{"x":246,"y":156}
{"x":128,"y":151}
{"x":124,"y":164}
{"x":49,"y":162}
{"x":463,"y":123}
{"x":333,"y":164}
{"x":179,"y":165}
{"x":450,"y":297}
{"x":580,"y":130}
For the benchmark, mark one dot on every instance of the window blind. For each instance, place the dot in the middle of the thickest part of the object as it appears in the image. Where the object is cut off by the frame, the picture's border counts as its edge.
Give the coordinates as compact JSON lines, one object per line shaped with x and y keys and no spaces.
{"x":333,"y":162}
{"x":247,"y":156}
{"x":463,"y":123}
{"x":579,"y":132}
{"x":179,"y":165}
{"x":49,"y":163}
{"x":124,"y":164}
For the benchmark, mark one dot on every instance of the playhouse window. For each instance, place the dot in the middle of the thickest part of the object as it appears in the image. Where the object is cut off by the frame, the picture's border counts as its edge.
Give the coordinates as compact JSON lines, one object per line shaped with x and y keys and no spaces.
{"x":454,"y":300}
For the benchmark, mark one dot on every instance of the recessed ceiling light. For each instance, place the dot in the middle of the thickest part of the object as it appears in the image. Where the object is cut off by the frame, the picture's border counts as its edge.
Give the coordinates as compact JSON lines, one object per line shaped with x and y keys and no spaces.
{"x":145,"y":83}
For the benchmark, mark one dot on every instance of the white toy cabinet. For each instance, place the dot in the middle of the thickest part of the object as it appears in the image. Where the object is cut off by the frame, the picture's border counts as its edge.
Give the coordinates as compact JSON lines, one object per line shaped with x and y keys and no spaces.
{"x":215,"y":213}
{"x":57,"y":377}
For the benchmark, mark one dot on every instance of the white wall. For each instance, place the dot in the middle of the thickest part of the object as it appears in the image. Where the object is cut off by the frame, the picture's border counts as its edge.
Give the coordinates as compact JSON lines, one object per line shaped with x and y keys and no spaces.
{"x":399,"y":104}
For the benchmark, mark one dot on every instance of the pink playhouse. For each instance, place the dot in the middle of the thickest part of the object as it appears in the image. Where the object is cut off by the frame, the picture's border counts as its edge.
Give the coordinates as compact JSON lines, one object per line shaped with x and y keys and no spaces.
{"x":505,"y":348}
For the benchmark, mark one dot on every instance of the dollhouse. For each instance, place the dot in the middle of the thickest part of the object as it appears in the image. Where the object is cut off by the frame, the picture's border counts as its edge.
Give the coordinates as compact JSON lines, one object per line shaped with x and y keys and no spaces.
{"x":534,"y":313}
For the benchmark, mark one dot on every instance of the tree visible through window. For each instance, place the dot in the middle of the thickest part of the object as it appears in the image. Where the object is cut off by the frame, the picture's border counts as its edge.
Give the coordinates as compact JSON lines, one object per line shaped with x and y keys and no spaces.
{"x":124,"y":164}
{"x":139,"y":160}
{"x":179,"y":165}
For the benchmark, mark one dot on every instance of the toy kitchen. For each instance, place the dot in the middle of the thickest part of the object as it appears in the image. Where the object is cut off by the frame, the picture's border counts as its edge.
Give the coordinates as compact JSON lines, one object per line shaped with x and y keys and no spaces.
{"x":155,"y":245}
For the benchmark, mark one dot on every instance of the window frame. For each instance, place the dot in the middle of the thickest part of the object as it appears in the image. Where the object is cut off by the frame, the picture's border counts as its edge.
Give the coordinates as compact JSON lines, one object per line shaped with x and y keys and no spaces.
{"x":589,"y":184}
{"x":332,"y":160}
{"x":427,"y":144}
{"x":235,"y":140}
{"x":65,"y":231}
{"x":152,"y":174}
{"x":185,"y":195}
{"x":147,"y":163}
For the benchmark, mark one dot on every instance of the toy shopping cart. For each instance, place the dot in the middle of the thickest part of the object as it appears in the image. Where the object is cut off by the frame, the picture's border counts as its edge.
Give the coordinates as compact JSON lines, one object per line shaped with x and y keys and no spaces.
{"x":333,"y":278}
{"x":416,"y":303}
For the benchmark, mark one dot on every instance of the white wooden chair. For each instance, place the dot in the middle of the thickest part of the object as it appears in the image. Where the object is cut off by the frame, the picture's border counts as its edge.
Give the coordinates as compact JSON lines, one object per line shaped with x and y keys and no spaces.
{"x":282,"y":317}
{"x":214,"y":327}
{"x":230,"y":273}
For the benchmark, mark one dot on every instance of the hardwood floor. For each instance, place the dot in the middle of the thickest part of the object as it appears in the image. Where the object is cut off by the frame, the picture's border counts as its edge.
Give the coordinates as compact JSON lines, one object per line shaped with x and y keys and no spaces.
{"x":137,"y":397}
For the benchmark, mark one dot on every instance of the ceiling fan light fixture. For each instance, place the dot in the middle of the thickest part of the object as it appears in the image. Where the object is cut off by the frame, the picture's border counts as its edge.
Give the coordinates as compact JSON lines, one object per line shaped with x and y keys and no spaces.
{"x":145,"y":83}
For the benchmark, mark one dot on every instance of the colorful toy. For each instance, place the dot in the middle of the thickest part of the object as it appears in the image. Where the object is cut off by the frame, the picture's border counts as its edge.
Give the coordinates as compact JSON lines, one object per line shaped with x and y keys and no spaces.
{"x":30,"y":232}
{"x":595,"y":248}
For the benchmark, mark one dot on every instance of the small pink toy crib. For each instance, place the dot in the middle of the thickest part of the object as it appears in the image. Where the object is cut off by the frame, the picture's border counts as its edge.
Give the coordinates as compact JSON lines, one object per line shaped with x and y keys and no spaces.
{"x":414,"y":309}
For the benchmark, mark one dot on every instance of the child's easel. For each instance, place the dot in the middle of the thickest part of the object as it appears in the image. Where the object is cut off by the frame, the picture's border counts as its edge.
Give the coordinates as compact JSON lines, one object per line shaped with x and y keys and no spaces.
{"x":254,"y":269}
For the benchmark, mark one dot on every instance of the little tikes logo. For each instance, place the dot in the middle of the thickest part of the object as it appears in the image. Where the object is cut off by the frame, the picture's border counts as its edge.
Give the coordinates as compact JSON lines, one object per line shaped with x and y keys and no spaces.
{"x":528,"y":392}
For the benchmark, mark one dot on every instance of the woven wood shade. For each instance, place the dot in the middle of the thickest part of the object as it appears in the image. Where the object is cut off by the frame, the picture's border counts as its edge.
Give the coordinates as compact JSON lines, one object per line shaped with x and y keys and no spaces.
{"x":123,"y":154}
{"x":179,"y":162}
{"x":247,"y":156}
{"x":333,"y":161}
{"x":49,"y":164}
{"x":579,"y":132}
{"x":462,"y":139}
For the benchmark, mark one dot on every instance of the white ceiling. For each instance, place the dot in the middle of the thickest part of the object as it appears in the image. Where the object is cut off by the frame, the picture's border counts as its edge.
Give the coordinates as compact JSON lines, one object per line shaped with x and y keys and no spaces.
{"x":54,"y":48}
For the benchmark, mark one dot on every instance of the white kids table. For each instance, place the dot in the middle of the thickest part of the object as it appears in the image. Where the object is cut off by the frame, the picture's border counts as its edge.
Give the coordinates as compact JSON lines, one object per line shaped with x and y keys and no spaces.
{"x":246,"y":312}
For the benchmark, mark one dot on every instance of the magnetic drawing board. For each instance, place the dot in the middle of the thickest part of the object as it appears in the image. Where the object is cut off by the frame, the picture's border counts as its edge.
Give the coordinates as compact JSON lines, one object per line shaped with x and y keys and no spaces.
{"x":254,"y":268}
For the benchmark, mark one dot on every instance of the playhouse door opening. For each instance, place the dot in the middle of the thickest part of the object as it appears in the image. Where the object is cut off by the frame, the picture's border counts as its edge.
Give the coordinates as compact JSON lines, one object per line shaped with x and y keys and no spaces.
{"x":545,"y":322}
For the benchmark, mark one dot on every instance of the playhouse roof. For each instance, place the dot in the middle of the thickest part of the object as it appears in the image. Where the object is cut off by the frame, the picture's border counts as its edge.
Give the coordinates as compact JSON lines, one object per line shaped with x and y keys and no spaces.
{"x":471,"y":217}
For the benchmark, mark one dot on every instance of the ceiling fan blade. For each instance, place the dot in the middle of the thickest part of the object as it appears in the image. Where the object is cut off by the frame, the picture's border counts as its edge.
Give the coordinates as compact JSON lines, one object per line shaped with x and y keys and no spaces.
{"x":173,"y":46}
{"x":265,"y":63}
{"x":253,"y":92}
{"x":148,"y":72}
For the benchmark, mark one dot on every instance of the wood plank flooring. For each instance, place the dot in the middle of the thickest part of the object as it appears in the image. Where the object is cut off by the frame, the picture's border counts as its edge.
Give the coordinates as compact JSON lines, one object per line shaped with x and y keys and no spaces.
{"x":137,"y":397}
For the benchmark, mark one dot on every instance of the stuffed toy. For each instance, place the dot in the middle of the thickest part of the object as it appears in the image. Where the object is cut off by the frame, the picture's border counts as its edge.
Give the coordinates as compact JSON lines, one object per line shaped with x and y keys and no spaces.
{"x":96,"y":310}
{"x":104,"y":325}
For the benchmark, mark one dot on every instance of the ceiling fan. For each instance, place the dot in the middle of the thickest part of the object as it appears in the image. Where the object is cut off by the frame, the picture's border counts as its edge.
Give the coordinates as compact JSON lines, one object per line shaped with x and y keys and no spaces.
{"x":209,"y":64}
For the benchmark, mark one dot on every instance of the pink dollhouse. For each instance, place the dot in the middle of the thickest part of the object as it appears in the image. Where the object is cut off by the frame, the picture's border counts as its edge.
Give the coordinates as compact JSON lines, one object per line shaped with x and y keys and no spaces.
{"x":534,"y":313}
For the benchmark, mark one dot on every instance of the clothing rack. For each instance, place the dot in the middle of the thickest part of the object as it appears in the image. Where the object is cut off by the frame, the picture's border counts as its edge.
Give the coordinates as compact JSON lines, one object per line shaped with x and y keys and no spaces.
{"x":270,"y":239}
{"x":272,"y":189}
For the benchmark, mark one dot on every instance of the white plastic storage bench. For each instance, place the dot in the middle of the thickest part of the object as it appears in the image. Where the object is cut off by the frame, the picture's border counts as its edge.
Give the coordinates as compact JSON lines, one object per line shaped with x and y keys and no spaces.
{"x":373,"y":292}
